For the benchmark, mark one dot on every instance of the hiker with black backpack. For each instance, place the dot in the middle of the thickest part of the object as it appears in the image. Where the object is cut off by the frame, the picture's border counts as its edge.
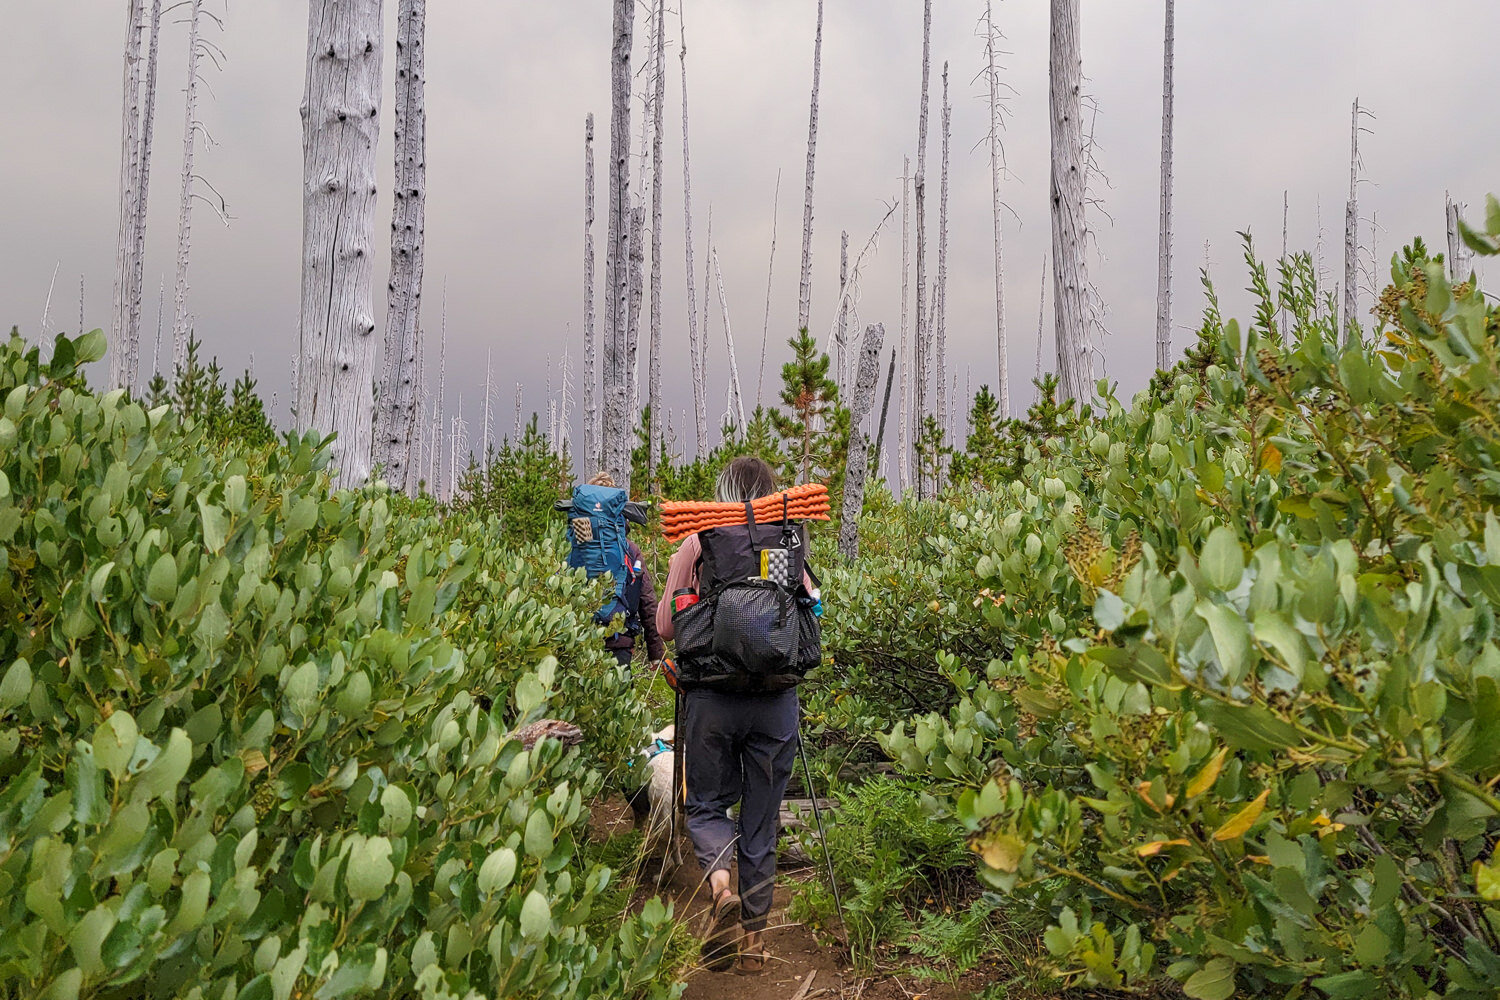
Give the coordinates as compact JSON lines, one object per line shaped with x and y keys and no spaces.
{"x":599,"y":516}
{"x":743,"y":611}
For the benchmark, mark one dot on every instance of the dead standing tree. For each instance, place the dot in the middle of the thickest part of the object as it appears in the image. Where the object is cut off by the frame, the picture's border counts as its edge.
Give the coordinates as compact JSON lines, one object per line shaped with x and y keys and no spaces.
{"x":804,"y":287}
{"x":920,"y":372}
{"x":765,"y":332}
{"x":659,"y":101}
{"x":397,"y":413}
{"x":138,"y":259}
{"x":1351,"y":230}
{"x":615,"y":431}
{"x":340,"y":128}
{"x":1164,"y":250}
{"x":992,"y":75}
{"x":590,"y":370}
{"x":940,"y":299}
{"x":736,"y":398}
{"x":857,"y":467}
{"x":130,"y":153}
{"x":197,"y":48}
{"x":1459,"y":255}
{"x":1075,"y":358}
{"x":903,"y":439}
{"x":696,"y":348}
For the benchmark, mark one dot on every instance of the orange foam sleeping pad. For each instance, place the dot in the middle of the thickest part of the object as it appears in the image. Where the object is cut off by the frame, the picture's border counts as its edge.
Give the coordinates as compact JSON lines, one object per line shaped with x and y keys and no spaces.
{"x":808,"y":502}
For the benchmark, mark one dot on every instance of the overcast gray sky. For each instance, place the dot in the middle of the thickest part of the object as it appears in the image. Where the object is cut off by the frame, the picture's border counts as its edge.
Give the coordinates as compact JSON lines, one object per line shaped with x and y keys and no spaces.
{"x":1264,"y":91}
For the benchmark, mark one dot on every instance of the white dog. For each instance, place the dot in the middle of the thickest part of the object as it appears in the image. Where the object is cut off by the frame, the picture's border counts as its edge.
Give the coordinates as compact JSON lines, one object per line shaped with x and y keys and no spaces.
{"x":652,"y":805}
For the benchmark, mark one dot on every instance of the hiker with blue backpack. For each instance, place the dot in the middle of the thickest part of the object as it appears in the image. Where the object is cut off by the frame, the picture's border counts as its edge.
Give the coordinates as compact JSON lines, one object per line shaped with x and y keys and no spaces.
{"x":598,"y":517}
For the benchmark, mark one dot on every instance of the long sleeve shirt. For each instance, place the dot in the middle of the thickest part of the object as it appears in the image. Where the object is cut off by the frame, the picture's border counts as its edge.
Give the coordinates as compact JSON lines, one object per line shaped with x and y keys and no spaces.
{"x":646,"y":610}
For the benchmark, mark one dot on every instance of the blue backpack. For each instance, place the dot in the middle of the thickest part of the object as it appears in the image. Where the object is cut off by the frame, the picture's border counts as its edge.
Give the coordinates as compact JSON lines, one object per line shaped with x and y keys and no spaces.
{"x":596,"y":538}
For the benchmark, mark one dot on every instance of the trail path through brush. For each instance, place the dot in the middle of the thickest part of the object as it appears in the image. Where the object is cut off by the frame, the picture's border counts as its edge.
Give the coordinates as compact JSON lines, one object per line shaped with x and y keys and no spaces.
{"x":796,"y":953}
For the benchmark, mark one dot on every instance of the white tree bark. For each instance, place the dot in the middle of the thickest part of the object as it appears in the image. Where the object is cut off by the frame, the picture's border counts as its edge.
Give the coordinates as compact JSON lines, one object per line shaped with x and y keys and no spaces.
{"x":903,"y":434}
{"x":696,"y":347}
{"x":138,"y":260}
{"x":804,"y":287}
{"x":841,"y":324}
{"x":1286,"y":214}
{"x":130,"y":153}
{"x":736,"y":398}
{"x":637,"y":290}
{"x":707,"y":312}
{"x":1459,"y":267}
{"x":1164,"y":249}
{"x":615,"y":431}
{"x":180,"y":321}
{"x":1351,"y":232}
{"x":857,"y":463}
{"x":993,"y":74}
{"x":1075,"y":358}
{"x":590,"y":369}
{"x":923,"y":356}
{"x":765,"y":332}
{"x":441,"y":480}
{"x":397,"y":413}
{"x":484,"y":448}
{"x":659,"y":101}
{"x":941,"y":298}
{"x":340,"y":128}
{"x":563,"y":399}
{"x":1041,"y":325}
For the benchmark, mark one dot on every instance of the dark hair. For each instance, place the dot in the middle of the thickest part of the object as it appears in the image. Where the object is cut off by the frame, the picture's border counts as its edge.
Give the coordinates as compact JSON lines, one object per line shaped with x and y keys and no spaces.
{"x":745,"y":478}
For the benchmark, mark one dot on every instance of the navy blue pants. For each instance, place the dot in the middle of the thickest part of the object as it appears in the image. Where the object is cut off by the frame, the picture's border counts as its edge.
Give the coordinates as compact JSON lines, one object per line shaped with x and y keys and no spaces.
{"x":740,"y":749}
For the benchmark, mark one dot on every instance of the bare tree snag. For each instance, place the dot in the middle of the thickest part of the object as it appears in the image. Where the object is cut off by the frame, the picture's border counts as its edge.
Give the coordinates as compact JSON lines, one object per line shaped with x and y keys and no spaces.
{"x":1459,"y":257}
{"x":1351,"y":233}
{"x":1075,"y":358}
{"x":885,"y":409}
{"x":696,"y":346}
{"x":615,"y":431}
{"x":736,"y":399}
{"x":1164,"y":249}
{"x":857,"y":463}
{"x":903,"y":433}
{"x":130,"y":153}
{"x":653,"y":390}
{"x":441,"y":480}
{"x":765,"y":332}
{"x":397,"y":414}
{"x":940,"y":299}
{"x":138,"y":260}
{"x":804,"y":287}
{"x":180,"y":322}
{"x":1041,"y":322}
{"x":637,"y":290}
{"x":484,"y":448}
{"x":922,"y":377}
{"x":996,"y":165}
{"x":841,"y":323}
{"x":590,"y":370}
{"x":340,"y":129}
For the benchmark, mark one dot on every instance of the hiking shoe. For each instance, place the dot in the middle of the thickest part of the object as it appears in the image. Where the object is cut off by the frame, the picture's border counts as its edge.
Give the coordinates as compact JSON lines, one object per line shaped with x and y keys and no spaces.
{"x":722,"y":931}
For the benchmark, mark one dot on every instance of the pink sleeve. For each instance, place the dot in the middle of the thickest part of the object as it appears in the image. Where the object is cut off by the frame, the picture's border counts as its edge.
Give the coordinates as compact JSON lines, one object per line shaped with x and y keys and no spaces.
{"x":682,"y":571}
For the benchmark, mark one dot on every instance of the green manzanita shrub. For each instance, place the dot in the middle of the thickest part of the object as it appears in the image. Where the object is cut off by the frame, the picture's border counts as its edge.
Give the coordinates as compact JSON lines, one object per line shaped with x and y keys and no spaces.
{"x":241,"y":752}
{"x":1258,"y":744}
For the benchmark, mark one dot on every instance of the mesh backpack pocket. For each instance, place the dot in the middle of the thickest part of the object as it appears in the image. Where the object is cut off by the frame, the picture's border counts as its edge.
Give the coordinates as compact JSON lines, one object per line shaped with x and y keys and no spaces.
{"x":694,"y":627}
{"x":755,"y":627}
{"x":809,"y":638}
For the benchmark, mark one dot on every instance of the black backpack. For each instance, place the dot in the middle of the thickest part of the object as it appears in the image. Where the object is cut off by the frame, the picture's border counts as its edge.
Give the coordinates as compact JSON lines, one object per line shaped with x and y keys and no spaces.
{"x":753,"y":627}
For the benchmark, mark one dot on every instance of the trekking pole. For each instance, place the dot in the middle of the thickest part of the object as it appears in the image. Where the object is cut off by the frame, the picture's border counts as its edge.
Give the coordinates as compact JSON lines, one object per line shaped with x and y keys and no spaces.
{"x":838,"y":904}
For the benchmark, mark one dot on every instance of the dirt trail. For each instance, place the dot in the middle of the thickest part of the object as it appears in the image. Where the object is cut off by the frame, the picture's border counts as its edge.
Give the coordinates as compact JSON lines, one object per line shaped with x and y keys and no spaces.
{"x":795,"y":953}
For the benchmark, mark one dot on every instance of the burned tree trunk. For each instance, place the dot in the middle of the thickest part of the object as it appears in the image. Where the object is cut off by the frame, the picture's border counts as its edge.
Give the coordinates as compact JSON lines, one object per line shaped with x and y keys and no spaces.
{"x":1351,"y":233}
{"x":180,"y":322}
{"x":1459,"y":257}
{"x":857,"y":467}
{"x":1075,"y":358}
{"x":590,"y":371}
{"x":653,"y":376}
{"x":398,"y":398}
{"x":903,"y":423}
{"x":940,"y":302}
{"x":615,"y":431}
{"x":885,"y":409}
{"x":1164,"y":251}
{"x":340,"y":128}
{"x":765,"y":332}
{"x":130,"y":156}
{"x":138,"y":260}
{"x":993,"y":73}
{"x":696,"y":346}
{"x":737,"y":400}
{"x":923,"y":359}
{"x":804,"y":287}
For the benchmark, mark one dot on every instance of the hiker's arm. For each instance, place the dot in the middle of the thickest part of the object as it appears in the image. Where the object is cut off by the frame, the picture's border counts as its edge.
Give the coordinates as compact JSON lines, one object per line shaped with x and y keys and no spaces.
{"x":655,"y":649}
{"x":681,"y":572}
